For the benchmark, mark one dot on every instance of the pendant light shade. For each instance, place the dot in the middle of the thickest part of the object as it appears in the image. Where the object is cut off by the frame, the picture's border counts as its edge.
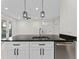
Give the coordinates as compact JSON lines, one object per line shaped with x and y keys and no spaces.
{"x":25,"y":14}
{"x":42,"y":13}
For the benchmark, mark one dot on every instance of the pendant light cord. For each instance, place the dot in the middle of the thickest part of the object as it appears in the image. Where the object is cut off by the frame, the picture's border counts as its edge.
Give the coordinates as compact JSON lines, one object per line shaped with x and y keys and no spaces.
{"x":42,"y":4}
{"x":25,"y":14}
{"x":24,"y":5}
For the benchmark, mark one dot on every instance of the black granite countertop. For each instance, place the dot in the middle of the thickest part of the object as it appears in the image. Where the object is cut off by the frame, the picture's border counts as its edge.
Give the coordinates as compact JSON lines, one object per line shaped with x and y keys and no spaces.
{"x":26,"y":38}
{"x":36,"y":40}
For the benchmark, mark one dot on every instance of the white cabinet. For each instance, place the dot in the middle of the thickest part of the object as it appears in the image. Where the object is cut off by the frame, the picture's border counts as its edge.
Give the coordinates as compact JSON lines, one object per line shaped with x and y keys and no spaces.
{"x":35,"y":53}
{"x":27,"y":50}
{"x":41,"y":50}
{"x":15,"y":50}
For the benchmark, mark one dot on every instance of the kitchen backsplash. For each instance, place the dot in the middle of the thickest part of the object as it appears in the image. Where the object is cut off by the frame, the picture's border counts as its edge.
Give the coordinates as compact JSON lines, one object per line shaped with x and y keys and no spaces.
{"x":33,"y":26}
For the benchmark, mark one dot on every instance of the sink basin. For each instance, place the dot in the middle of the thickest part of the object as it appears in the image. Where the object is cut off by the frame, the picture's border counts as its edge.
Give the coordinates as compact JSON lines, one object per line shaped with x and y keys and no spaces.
{"x":36,"y":37}
{"x":40,"y":38}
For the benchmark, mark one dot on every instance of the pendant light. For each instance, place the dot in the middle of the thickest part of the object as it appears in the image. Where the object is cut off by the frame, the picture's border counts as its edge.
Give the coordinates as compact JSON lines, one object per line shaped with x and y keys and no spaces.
{"x":25,"y":14}
{"x":42,"y":14}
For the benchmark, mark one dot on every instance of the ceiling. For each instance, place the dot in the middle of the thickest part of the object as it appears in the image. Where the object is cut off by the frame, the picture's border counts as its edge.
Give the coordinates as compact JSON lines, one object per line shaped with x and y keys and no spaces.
{"x":15,"y":8}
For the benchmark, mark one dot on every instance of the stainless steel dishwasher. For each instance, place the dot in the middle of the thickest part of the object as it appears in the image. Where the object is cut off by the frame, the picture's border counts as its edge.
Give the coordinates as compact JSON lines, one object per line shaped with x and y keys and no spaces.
{"x":65,"y":50}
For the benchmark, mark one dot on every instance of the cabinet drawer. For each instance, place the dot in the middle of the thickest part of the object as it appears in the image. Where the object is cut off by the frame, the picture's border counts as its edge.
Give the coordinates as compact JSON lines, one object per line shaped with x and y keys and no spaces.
{"x":36,"y":45}
{"x":15,"y":44}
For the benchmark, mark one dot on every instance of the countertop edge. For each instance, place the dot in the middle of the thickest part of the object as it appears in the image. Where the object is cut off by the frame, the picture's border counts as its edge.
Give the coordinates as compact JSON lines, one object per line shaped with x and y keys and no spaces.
{"x":36,"y":40}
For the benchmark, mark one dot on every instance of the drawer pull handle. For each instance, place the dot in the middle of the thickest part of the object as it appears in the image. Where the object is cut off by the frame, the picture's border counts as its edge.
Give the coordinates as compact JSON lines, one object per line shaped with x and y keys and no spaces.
{"x":15,"y":51}
{"x":41,"y":44}
{"x":16,"y":44}
{"x":41,"y":51}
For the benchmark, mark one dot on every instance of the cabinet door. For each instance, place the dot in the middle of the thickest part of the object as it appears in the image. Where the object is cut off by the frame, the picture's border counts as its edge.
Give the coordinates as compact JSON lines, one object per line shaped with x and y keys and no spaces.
{"x":34,"y":52}
{"x":23,"y":50}
{"x":15,"y":50}
{"x":8,"y":51}
{"x":3,"y":51}
{"x":48,"y":54}
{"x":41,"y":50}
{"x":48,"y":51}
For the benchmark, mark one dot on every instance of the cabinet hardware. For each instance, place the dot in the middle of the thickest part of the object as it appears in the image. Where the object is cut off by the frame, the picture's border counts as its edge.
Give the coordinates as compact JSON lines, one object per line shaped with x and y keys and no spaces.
{"x":41,"y":51}
{"x":15,"y":51}
{"x":41,"y":44}
{"x":68,"y":43}
{"x":16,"y":44}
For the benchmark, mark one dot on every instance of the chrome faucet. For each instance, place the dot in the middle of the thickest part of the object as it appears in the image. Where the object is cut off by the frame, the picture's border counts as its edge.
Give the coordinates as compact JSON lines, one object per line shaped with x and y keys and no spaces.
{"x":40,"y":31}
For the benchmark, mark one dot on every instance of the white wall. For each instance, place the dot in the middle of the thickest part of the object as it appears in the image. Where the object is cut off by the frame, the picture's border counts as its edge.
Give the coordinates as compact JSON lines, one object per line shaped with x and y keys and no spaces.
{"x":67,"y":21}
{"x":68,"y":17}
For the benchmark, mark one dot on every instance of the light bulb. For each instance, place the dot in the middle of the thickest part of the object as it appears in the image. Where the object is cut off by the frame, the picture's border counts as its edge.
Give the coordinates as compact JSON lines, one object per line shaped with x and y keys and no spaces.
{"x":37,"y":8}
{"x":24,"y":14}
{"x":6,"y":8}
{"x":42,"y":14}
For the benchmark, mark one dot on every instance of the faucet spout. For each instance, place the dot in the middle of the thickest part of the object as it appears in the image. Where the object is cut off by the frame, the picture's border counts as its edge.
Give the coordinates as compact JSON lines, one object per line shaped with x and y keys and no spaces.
{"x":40,"y":31}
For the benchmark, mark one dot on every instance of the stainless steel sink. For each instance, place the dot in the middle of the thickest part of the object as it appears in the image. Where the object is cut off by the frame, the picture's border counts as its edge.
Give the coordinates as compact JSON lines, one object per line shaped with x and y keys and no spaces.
{"x":40,"y":38}
{"x":36,"y":37}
